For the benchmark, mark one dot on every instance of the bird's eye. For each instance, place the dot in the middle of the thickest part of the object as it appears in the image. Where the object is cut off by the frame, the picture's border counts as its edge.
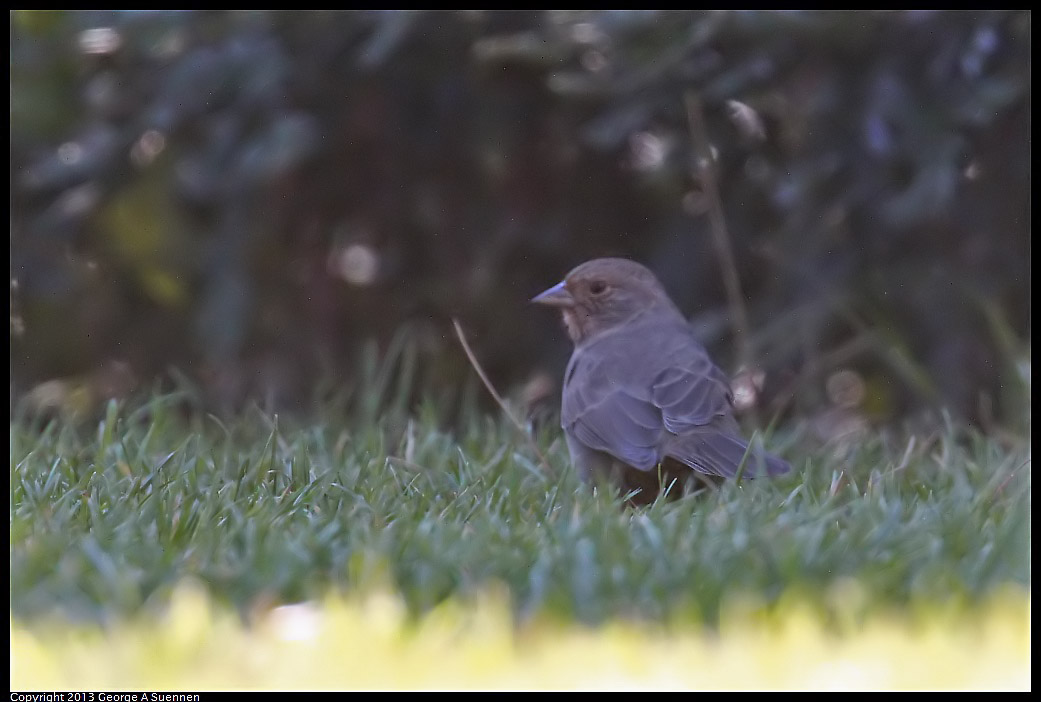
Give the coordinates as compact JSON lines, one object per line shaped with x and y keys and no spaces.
{"x":598,"y":287}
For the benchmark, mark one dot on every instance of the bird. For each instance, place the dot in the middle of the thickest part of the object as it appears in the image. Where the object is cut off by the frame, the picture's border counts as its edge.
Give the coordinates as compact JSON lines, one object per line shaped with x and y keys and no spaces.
{"x":642,"y":404}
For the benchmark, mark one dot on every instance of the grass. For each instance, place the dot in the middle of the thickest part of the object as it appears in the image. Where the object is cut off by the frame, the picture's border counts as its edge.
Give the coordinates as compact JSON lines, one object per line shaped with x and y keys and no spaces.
{"x":107,"y":521}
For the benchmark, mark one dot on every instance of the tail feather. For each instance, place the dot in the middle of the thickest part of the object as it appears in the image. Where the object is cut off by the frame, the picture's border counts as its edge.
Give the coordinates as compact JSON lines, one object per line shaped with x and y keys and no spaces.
{"x":722,"y":454}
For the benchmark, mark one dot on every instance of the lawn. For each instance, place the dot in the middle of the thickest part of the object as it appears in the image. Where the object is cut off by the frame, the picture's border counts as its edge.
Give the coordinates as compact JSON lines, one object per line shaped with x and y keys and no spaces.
{"x":887,"y":540}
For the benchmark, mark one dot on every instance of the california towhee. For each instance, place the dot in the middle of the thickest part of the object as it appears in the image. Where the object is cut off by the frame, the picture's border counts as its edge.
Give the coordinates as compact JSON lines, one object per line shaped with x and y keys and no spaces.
{"x":643,"y":404}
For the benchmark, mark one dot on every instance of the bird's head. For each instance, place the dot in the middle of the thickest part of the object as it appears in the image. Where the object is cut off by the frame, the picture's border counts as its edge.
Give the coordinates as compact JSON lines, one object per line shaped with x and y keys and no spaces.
{"x":605,"y":293}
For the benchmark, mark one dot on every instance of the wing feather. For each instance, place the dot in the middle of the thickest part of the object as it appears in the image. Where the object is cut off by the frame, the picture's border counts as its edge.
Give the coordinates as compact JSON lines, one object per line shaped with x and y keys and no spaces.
{"x":640,"y":408}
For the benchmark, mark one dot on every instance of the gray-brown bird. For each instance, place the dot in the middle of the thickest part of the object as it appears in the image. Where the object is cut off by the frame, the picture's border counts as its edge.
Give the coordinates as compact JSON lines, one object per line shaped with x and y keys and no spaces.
{"x":641,"y":397}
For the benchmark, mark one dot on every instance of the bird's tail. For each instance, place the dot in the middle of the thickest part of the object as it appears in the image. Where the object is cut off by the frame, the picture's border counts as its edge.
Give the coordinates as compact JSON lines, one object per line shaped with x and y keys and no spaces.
{"x":717,"y":453}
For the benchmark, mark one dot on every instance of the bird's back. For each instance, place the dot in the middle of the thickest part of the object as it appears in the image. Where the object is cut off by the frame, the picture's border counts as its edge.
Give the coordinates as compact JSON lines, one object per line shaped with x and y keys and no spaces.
{"x":649,"y":392}
{"x":655,"y":361}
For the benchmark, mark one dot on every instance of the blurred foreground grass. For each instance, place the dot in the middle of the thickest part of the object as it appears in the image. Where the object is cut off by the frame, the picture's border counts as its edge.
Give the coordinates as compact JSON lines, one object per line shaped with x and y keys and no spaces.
{"x":370,"y":643}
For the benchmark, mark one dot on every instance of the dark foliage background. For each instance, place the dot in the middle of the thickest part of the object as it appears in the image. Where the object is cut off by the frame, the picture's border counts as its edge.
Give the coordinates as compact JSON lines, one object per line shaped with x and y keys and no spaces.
{"x":251,"y":197}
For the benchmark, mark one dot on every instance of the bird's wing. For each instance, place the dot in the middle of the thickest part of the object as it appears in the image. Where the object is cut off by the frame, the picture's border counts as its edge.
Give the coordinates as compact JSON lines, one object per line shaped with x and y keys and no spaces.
{"x":606,"y":416}
{"x":695,"y":399}
{"x":691,"y":395}
{"x":628,"y":399}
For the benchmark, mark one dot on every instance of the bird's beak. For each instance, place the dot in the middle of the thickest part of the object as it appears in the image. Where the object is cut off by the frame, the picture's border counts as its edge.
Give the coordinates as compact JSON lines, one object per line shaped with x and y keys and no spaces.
{"x":557,"y":296}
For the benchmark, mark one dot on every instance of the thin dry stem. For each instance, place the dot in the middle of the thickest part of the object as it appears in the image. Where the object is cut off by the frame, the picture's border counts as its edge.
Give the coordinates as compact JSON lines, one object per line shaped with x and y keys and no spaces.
{"x":703,"y":171}
{"x":497,"y":397}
